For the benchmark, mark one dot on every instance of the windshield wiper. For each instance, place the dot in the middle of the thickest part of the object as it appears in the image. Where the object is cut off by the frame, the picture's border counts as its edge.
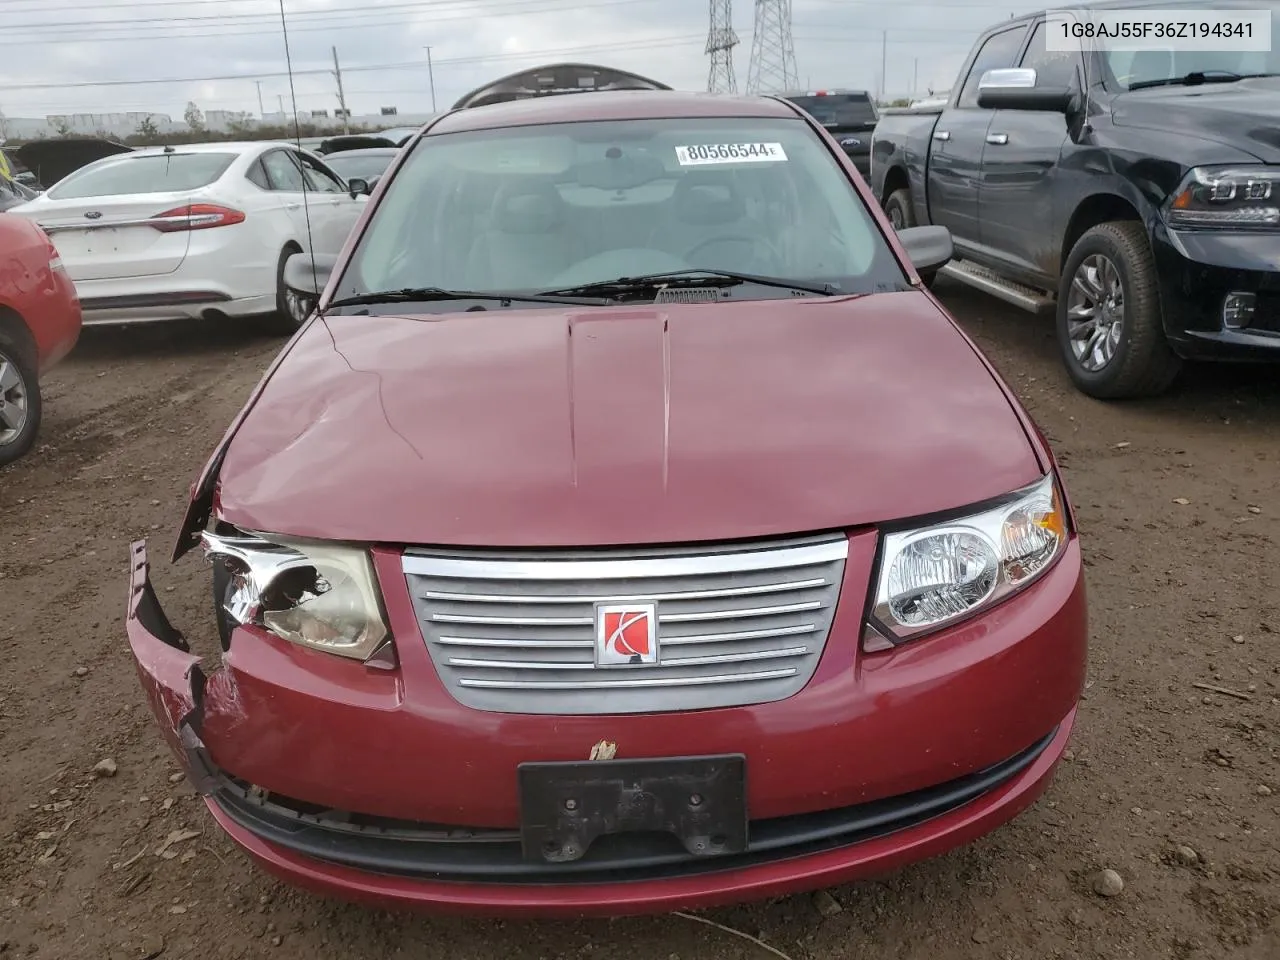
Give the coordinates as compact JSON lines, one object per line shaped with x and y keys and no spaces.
{"x":1194,"y":78}
{"x":430,"y":294}
{"x":685,"y":279}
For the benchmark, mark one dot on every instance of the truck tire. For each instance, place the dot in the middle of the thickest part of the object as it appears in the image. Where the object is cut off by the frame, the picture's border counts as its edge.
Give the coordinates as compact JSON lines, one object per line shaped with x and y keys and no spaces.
{"x":1110,"y":329}
{"x":20,"y":405}
{"x":898,"y":209}
{"x":902,"y":216}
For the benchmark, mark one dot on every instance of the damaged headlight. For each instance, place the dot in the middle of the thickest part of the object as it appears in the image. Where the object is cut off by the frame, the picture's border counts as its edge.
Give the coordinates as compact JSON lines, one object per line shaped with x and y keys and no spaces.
{"x":318,"y":595}
{"x":934,"y":576}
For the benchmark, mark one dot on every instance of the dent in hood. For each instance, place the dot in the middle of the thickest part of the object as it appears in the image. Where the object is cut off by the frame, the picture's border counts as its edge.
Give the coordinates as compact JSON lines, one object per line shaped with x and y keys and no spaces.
{"x":612,"y":426}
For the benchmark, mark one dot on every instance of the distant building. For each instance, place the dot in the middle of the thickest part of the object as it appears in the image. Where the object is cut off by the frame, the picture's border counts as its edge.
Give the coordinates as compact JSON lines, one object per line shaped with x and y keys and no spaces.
{"x":120,"y":125}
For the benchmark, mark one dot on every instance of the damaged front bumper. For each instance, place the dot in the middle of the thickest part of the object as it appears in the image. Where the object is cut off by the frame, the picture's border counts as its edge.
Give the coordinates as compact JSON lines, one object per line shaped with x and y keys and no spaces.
{"x":170,"y":674}
{"x":365,"y":812}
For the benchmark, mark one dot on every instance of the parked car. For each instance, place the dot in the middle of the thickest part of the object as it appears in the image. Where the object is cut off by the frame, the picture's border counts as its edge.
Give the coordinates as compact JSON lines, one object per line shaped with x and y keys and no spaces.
{"x":366,"y":166}
{"x":629,"y":530}
{"x":14,"y":192}
{"x":13,"y":169}
{"x":849,"y":115}
{"x":201,"y":230}
{"x":343,"y":144}
{"x":39,"y":325}
{"x":1139,"y":206}
{"x":48,"y":161}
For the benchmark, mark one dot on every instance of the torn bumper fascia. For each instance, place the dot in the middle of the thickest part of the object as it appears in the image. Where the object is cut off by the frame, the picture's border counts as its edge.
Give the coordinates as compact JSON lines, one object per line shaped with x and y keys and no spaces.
{"x":169,"y":672}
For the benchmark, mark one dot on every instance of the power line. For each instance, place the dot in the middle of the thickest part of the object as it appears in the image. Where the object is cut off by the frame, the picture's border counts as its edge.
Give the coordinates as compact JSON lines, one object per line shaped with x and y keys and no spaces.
{"x":413,"y":64}
{"x":48,"y":6}
{"x":327,"y":18}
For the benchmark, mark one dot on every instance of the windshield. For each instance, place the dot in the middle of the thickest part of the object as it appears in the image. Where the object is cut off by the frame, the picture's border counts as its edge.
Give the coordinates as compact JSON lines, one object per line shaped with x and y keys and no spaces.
{"x":842,"y":110}
{"x":548,"y":207}
{"x":1128,"y":68}
{"x":364,"y":167}
{"x":150,"y":173}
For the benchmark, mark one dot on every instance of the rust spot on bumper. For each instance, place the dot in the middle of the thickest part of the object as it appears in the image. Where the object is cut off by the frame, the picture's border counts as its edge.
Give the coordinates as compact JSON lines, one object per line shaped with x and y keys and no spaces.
{"x":169,"y":673}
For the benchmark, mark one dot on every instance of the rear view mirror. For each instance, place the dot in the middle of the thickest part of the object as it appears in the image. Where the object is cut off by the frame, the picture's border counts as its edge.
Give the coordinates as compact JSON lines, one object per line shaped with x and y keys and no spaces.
{"x":359,"y":187}
{"x":1015,"y":89}
{"x":928,"y":248}
{"x":307,"y":274}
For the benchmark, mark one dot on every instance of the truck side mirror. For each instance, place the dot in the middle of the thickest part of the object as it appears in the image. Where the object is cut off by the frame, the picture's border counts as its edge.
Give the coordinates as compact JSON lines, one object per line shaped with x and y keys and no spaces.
{"x":1015,"y":89}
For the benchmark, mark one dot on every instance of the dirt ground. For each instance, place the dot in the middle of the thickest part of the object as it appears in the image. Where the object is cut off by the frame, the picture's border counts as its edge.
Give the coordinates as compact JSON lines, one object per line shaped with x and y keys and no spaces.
{"x":1170,"y":785}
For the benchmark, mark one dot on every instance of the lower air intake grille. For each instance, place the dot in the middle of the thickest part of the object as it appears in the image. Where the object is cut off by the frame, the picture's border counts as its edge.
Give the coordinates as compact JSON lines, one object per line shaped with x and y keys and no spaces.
{"x":735,"y":625}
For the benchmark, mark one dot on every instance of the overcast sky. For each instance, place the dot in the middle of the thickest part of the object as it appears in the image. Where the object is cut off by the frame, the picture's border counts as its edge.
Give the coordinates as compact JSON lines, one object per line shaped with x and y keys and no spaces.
{"x":75,"y":56}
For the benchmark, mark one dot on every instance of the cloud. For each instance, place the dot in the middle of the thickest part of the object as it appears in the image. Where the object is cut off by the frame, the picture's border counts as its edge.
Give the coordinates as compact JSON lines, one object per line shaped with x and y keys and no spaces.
{"x":66,"y":56}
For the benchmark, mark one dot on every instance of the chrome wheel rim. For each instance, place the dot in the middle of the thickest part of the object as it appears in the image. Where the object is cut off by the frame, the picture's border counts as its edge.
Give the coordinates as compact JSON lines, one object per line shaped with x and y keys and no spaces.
{"x":297,"y":306}
{"x":895,"y":217}
{"x":14,"y":401}
{"x":1095,"y":312}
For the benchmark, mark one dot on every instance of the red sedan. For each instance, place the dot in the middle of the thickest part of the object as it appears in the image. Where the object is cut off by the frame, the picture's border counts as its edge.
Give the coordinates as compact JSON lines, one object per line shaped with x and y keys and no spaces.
{"x":629,"y":530}
{"x":39,"y":325}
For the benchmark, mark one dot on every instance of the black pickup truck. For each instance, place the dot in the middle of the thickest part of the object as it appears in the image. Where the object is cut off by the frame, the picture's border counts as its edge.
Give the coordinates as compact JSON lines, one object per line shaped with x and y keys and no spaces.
{"x":1136,"y":194}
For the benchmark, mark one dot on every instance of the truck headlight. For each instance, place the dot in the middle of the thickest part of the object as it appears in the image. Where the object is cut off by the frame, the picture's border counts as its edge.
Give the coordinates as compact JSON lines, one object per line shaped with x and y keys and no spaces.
{"x":1226,"y":198}
{"x":318,"y":595}
{"x":934,"y":576}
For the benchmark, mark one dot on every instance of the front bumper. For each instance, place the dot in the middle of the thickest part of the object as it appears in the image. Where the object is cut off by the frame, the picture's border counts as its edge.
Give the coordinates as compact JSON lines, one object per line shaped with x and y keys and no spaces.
{"x":1196,"y":271}
{"x":880,"y":761}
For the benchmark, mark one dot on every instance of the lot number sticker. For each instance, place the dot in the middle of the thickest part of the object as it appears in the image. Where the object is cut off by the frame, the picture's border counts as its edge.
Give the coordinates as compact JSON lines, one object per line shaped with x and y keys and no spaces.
{"x":707,"y":153}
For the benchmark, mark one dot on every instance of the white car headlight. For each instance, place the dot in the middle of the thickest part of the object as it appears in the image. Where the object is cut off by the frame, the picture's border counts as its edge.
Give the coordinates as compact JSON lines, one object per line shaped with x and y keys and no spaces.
{"x":318,"y":595}
{"x":934,"y":576}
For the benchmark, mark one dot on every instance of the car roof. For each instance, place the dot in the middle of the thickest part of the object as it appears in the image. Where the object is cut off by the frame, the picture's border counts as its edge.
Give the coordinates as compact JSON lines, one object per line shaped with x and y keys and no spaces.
{"x":363,"y":152}
{"x":827,"y":92}
{"x":611,"y":105}
{"x":215,"y":146}
{"x":1106,"y":5}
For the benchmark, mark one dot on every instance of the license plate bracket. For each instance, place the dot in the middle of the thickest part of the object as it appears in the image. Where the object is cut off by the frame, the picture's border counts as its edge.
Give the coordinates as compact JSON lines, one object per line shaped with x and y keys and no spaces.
{"x":565,"y":807}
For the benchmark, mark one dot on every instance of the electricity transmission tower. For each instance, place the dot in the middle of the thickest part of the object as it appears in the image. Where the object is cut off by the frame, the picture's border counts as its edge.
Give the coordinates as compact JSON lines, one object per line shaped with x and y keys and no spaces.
{"x":720,"y":43}
{"x":773,"y":55}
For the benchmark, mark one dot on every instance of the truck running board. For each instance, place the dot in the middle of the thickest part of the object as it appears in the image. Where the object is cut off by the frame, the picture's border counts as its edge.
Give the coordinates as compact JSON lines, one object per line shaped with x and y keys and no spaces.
{"x":980,"y":278}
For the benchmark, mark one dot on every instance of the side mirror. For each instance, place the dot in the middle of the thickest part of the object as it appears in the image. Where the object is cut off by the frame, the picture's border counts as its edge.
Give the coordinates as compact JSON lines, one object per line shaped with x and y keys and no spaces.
{"x":359,"y":187}
{"x":307,"y":274}
{"x":1015,"y":89}
{"x":928,"y":248}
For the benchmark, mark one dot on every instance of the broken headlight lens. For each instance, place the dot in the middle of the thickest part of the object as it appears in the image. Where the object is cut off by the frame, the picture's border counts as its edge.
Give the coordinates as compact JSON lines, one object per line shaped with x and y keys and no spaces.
{"x":318,"y":595}
{"x":934,"y":576}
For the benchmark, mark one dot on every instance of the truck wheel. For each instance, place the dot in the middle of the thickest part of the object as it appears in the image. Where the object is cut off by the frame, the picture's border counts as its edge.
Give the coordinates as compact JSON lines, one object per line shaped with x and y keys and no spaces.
{"x":20,"y":406}
{"x":898,"y":209}
{"x":1110,"y":329}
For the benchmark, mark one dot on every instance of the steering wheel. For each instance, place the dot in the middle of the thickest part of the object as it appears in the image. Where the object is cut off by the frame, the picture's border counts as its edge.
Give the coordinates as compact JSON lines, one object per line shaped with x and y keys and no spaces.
{"x":757,"y":244}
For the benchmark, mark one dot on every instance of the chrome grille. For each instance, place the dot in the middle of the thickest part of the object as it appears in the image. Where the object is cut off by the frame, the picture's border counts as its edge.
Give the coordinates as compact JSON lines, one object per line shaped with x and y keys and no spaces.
{"x":737,"y":624}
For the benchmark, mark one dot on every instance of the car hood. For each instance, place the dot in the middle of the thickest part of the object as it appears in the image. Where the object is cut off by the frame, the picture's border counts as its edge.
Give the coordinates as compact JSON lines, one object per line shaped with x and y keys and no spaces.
{"x":51,"y":160}
{"x":587,"y":426}
{"x":1244,"y":115}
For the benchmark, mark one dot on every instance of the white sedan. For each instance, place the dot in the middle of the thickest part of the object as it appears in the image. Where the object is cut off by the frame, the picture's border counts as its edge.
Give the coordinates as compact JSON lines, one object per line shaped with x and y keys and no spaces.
{"x":176,"y":232}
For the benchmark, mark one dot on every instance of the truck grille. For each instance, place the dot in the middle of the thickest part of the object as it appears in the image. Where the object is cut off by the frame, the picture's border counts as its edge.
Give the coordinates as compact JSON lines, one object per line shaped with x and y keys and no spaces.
{"x":736,"y":624}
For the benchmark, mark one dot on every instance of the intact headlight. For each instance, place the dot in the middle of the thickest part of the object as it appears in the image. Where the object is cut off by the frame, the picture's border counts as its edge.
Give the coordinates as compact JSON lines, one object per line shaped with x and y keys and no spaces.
{"x":1227,"y":198}
{"x":318,"y":595}
{"x":933,"y":576}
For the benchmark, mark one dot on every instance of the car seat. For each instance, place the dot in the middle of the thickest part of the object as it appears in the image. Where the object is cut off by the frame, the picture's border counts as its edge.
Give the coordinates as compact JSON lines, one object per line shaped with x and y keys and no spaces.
{"x":528,"y":242}
{"x":704,"y":207}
